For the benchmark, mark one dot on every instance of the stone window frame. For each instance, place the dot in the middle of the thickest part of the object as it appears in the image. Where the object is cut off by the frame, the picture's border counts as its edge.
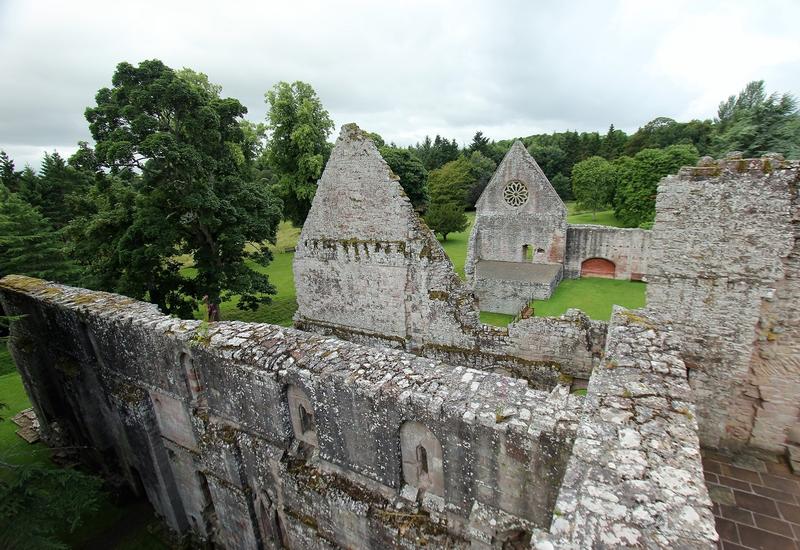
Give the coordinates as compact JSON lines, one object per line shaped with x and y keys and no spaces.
{"x":427,"y":477}
{"x":304,"y":426}
{"x":516,"y":193}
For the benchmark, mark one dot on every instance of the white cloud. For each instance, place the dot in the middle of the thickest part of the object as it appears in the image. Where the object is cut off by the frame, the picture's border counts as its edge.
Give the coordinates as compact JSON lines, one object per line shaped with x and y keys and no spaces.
{"x":402,"y":69}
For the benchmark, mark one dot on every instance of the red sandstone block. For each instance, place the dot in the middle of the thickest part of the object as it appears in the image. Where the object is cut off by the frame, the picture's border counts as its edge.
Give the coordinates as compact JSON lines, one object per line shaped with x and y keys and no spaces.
{"x":756,"y":503}
{"x":731,"y":546}
{"x":774,"y":494}
{"x":774,"y":525}
{"x":726,"y":529}
{"x":789,"y":512}
{"x":781,"y":484}
{"x":710,"y":478}
{"x":741,"y":473}
{"x":737,"y":514}
{"x":734,"y":483}
{"x":780,"y":469}
{"x":758,"y":538}
{"x":712,"y":466}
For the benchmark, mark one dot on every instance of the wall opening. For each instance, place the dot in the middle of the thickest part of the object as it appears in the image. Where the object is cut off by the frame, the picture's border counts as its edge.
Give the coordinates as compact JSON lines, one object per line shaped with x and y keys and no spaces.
{"x":527,"y":253}
{"x":301,"y":414}
{"x":598,"y":267}
{"x":422,"y":458}
{"x":306,"y":419}
{"x":193,"y":380}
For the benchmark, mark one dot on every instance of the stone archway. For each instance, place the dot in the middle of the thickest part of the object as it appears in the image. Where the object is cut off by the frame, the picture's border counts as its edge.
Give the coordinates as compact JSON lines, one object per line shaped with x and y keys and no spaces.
{"x":598,"y":267}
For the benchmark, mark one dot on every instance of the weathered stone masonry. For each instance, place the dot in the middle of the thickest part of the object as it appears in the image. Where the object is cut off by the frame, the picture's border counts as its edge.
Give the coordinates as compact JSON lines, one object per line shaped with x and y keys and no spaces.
{"x":725,"y":269}
{"x":200,"y":417}
{"x":367,"y":269}
{"x":261,"y":436}
{"x":521,"y":246}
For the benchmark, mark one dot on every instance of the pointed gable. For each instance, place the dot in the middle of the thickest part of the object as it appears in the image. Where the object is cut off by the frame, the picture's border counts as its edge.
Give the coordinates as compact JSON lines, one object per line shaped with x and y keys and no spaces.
{"x":519,"y":166}
{"x":358,"y":197}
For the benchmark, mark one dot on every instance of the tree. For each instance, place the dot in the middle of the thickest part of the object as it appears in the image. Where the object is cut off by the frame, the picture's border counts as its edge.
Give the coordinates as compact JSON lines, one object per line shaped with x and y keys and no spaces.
{"x":613,"y":144}
{"x":638,"y":177}
{"x":480,"y":144}
{"x":481,"y":169}
{"x":28,"y":244}
{"x":446,"y":218}
{"x":451,"y":182}
{"x":299,"y":127}
{"x":435,"y":154}
{"x":563,"y":186}
{"x":179,"y":166}
{"x":8,"y":175}
{"x":412,"y":173}
{"x":593,"y":182}
{"x":39,"y":503}
{"x":754,"y":123}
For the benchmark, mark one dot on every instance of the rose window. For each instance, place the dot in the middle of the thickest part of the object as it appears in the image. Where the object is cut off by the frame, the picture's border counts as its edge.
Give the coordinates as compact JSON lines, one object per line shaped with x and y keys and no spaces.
{"x":515,"y":193}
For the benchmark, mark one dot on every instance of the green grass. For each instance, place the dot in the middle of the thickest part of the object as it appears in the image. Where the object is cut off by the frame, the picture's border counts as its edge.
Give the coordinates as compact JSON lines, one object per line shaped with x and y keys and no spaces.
{"x":581,"y":292}
{"x":593,"y":295}
{"x":456,"y":245}
{"x":6,"y":364}
{"x":606,"y":217}
{"x":496,"y":319}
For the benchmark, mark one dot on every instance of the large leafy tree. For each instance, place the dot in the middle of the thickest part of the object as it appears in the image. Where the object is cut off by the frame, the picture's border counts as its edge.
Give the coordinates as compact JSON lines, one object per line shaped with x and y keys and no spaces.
{"x":299,"y":127}
{"x":755,"y":123}
{"x":448,"y":187}
{"x":638,"y":177}
{"x":411,"y":171}
{"x":180,"y":185}
{"x":593,"y":183}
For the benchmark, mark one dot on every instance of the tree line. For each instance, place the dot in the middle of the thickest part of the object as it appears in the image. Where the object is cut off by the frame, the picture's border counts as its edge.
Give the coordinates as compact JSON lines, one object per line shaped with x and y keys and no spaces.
{"x":180,"y":195}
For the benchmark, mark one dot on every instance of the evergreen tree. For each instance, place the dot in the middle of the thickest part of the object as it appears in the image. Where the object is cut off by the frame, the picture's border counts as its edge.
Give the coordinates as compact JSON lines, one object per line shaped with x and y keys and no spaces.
{"x":412,"y":174}
{"x":28,"y":244}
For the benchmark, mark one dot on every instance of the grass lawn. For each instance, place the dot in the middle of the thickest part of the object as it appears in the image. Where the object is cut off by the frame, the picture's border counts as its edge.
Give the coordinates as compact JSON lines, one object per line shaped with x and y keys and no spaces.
{"x":594,"y":296}
{"x":606,"y":217}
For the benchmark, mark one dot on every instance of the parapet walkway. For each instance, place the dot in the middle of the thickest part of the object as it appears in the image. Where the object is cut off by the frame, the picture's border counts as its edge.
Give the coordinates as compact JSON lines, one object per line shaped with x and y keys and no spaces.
{"x":756,"y":501}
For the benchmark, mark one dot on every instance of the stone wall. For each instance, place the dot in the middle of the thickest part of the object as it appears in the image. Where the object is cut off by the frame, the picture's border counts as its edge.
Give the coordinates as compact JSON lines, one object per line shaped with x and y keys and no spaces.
{"x":257,"y":435}
{"x":366,"y":262}
{"x":724,"y":269}
{"x":501,"y":229}
{"x":629,"y":484}
{"x":626,"y":248}
{"x":368,"y":270}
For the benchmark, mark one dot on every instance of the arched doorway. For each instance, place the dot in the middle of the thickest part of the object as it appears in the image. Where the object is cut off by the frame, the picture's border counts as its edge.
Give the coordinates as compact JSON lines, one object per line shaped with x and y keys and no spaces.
{"x":598,"y":267}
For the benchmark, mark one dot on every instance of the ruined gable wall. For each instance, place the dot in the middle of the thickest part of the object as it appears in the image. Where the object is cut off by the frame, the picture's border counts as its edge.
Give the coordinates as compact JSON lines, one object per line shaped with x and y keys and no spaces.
{"x":627,"y":248}
{"x":500,"y":230}
{"x":723,"y":269}
{"x":365,"y":263}
{"x":635,"y":478}
{"x":367,"y":269}
{"x":205,"y":422}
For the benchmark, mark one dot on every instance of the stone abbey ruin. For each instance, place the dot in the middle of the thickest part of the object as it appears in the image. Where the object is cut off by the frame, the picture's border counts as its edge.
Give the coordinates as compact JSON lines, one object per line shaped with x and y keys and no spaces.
{"x":390,"y":417}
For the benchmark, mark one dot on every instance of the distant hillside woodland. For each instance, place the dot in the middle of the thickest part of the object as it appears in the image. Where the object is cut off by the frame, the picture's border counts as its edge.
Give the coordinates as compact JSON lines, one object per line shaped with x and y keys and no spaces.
{"x":179,"y":177}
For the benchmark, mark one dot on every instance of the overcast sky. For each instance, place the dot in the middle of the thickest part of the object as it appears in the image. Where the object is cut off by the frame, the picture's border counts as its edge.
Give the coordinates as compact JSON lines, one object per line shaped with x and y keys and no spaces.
{"x":402,"y":69}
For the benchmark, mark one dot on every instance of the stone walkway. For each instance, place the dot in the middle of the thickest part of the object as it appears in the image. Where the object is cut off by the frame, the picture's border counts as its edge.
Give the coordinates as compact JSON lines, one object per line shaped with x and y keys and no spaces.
{"x":756,"y":501}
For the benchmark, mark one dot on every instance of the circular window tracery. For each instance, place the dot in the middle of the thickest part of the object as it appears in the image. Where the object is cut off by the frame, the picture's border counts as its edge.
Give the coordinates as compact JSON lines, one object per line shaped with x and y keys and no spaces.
{"x":515,"y":194}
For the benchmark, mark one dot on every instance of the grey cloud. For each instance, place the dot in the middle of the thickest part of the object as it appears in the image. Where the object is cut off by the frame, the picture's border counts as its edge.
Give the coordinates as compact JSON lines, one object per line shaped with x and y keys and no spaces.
{"x":404,"y":70}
